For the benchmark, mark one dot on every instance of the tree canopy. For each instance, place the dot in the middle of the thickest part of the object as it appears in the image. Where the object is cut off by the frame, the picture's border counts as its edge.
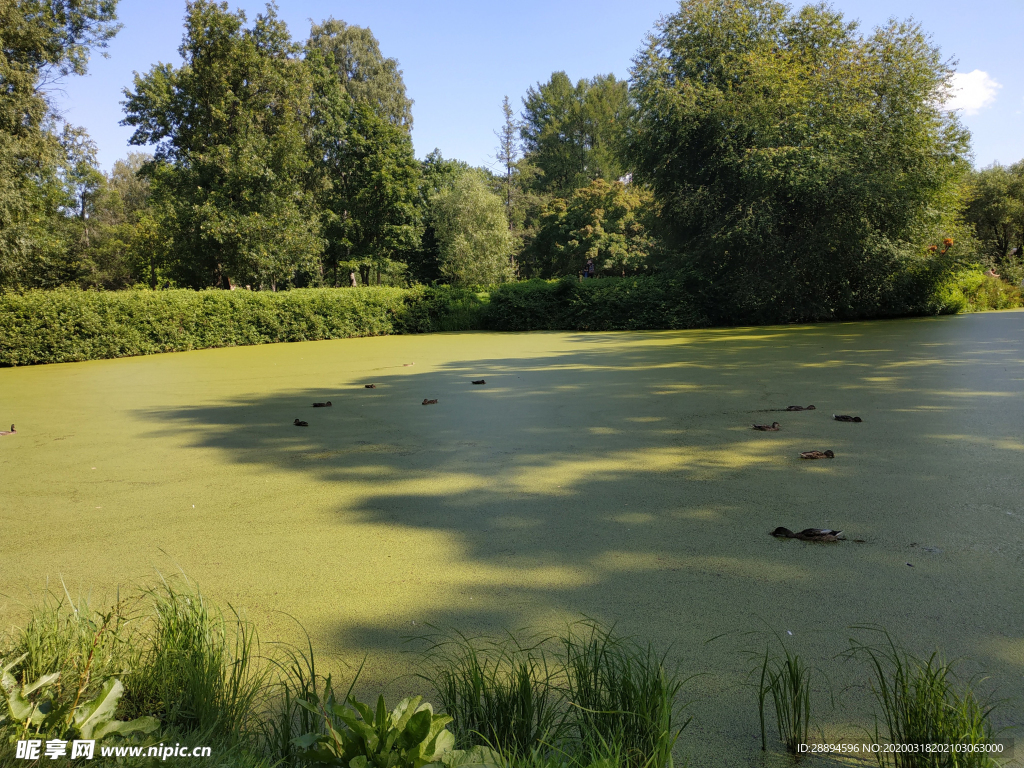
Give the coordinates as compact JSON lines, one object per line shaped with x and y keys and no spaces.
{"x":571,"y":132}
{"x":365,"y":74}
{"x":228,"y":126}
{"x":475,"y":246}
{"x":40,"y":42}
{"x":603,"y":222}
{"x":995,"y":206}
{"x":802,"y":167}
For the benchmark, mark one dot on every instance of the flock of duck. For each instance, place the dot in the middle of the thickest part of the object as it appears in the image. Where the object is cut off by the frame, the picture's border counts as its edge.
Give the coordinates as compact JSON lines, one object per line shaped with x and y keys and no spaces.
{"x":809,"y":534}
{"x":301,"y":423}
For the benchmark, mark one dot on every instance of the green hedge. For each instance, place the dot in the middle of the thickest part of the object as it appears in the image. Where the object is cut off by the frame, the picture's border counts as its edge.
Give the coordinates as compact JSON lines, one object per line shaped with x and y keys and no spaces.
{"x":69,"y":325}
{"x":607,"y":304}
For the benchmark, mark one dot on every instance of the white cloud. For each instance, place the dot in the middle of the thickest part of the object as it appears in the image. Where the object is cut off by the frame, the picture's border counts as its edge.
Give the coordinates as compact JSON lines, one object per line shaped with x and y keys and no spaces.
{"x":971,"y":91}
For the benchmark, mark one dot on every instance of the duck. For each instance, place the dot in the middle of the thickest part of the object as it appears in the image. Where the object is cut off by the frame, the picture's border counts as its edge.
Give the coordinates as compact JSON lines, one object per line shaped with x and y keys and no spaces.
{"x":370,"y":386}
{"x":300,"y":423}
{"x":817,"y":455}
{"x":843,"y":417}
{"x":773,"y":427}
{"x":429,"y":402}
{"x":810,"y":534}
{"x":322,"y":405}
{"x":800,"y":408}
{"x":12,"y":432}
{"x":479,"y":381}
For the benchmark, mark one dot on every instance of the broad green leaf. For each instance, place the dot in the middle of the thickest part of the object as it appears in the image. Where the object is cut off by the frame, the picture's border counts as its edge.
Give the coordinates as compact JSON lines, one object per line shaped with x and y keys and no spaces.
{"x":308,"y":705}
{"x":42,"y":682}
{"x":406,"y":709}
{"x":475,"y":757}
{"x":99,"y":710}
{"x":122,"y":728}
{"x":364,"y":711}
{"x":416,"y":731}
{"x":307,"y":740}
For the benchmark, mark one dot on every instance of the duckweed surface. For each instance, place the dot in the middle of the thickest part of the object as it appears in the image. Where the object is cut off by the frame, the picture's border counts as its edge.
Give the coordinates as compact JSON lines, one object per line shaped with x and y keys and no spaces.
{"x":614,"y":475}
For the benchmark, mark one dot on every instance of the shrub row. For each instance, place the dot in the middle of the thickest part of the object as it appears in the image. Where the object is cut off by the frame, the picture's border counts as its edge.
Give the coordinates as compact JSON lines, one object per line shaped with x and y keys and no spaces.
{"x":608,"y":304}
{"x":69,"y":325}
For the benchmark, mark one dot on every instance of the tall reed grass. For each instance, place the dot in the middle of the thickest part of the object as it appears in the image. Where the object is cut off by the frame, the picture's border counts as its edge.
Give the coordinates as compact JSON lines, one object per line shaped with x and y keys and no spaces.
{"x":200,"y":671}
{"x":922,"y":701}
{"x":585,"y":697}
{"x":623,"y":697}
{"x":502,"y":693}
{"x":787,"y":681}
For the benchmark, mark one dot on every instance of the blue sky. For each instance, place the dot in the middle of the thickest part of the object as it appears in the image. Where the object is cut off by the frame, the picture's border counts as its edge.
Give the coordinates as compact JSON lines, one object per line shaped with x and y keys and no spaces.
{"x":460,"y":58}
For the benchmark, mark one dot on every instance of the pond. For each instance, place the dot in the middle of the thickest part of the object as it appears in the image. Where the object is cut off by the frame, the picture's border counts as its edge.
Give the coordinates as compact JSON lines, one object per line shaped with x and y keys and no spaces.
{"x":612,"y":475}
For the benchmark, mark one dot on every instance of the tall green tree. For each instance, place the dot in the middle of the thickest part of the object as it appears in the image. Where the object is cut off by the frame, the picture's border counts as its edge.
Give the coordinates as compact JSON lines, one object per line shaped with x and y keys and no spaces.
{"x":365,"y":178}
{"x":229,"y":129}
{"x":40,"y":43}
{"x":124,"y":245}
{"x":508,"y":152}
{"x":436,"y":174}
{"x":608,"y":223}
{"x":365,"y":74}
{"x":474,"y":243}
{"x":571,"y":132}
{"x":995,"y":207}
{"x":802,"y":168}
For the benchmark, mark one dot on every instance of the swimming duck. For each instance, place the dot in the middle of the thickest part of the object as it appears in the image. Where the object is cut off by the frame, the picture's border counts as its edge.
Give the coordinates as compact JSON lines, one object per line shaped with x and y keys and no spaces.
{"x":370,"y":386}
{"x":817,"y":455}
{"x":842,"y":417}
{"x":300,"y":423}
{"x":810,"y":534}
{"x":429,"y":402}
{"x":13,"y":431}
{"x":773,"y":427}
{"x":480,"y":381}
{"x":322,"y":405}
{"x":800,"y":408}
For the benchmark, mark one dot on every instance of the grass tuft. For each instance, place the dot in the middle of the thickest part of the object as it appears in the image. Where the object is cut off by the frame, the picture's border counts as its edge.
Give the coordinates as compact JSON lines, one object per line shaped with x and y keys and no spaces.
{"x":787,"y":680}
{"x":922,"y":702}
{"x":501,"y":693}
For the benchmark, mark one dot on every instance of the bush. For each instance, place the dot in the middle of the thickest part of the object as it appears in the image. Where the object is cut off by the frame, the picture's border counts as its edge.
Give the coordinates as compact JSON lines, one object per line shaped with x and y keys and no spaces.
{"x":69,"y":325}
{"x":971,"y":290}
{"x":608,"y":304}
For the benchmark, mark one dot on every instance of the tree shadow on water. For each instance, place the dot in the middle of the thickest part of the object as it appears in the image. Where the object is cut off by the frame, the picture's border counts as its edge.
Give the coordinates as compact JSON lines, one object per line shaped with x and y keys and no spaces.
{"x":622,"y":480}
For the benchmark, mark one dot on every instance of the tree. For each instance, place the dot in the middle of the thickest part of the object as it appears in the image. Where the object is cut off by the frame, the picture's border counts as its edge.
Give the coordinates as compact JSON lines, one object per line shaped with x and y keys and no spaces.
{"x":995,"y":206}
{"x":604,"y":222}
{"x":802,"y":168}
{"x":40,"y":43}
{"x":365,"y":74}
{"x":474,"y":243}
{"x":571,"y":133}
{"x":231,"y":157}
{"x":508,"y":152}
{"x":365,"y":176}
{"x":125,"y":248}
{"x":436,"y":174}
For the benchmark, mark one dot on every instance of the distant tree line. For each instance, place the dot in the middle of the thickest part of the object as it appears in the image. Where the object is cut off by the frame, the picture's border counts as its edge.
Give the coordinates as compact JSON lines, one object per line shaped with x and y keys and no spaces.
{"x":780,"y":164}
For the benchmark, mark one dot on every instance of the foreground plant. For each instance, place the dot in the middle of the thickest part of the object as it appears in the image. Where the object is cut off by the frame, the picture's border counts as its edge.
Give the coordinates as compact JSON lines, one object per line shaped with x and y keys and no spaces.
{"x":787,"y":680}
{"x":921,"y":704}
{"x":31,"y":710}
{"x":356,"y":736}
{"x":502,"y":693}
